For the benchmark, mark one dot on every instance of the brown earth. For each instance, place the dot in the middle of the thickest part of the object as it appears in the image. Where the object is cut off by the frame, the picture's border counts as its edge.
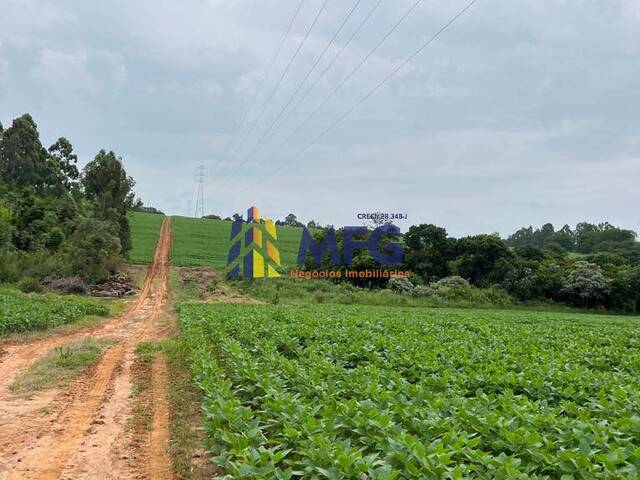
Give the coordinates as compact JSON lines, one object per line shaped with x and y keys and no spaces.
{"x":159,"y":462}
{"x":80,"y":431}
{"x":207,"y":285}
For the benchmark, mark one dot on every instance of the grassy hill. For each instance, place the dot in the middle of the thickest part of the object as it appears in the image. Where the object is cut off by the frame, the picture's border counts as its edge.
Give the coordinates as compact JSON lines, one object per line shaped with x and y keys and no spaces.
{"x":206,"y":242}
{"x":144,"y":234}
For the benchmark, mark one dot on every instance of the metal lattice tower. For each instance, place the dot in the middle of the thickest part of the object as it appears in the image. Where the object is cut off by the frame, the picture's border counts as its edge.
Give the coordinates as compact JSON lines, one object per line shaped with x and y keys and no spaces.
{"x":200,"y":178}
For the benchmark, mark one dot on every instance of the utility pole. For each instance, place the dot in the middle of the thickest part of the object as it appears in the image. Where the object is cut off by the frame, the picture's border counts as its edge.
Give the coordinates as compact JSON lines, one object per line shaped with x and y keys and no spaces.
{"x":200,"y":176}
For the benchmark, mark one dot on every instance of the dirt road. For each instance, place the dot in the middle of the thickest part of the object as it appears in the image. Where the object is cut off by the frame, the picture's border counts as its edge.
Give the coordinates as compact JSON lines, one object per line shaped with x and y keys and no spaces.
{"x":81,"y":431}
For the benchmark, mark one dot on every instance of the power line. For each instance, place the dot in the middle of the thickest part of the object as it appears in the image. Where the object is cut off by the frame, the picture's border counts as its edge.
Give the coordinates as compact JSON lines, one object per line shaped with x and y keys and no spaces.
{"x":347,"y":78}
{"x":284,"y":73}
{"x":330,"y":64}
{"x":283,"y":38}
{"x":353,"y":72}
{"x":378,"y":86}
{"x":306,"y":77}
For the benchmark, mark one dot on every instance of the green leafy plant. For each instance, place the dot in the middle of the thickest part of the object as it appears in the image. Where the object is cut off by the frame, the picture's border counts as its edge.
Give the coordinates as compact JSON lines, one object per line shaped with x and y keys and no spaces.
{"x":22,"y":313}
{"x":342,"y":392}
{"x":64,"y":352}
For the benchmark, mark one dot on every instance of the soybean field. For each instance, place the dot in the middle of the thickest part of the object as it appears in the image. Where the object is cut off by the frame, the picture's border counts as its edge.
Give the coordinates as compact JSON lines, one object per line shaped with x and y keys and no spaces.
{"x":345,"y":392}
{"x":22,"y":313}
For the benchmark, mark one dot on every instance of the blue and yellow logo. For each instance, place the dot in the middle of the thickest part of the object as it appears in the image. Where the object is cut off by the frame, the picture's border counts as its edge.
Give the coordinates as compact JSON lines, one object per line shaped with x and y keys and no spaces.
{"x":261,"y":256}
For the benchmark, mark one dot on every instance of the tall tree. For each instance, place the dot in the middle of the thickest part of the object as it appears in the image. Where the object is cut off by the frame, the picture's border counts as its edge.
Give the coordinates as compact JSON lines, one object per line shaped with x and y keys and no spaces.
{"x":428,"y":251}
{"x":1,"y":152}
{"x":565,"y":237}
{"x":586,"y":283}
{"x":106,"y":183}
{"x":292,"y":221}
{"x":61,"y":154}
{"x":24,"y":161}
{"x":478,"y":258}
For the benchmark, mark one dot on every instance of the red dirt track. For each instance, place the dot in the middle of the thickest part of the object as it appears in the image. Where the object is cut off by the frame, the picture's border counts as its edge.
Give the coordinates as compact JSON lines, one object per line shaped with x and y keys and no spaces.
{"x":80,"y":431}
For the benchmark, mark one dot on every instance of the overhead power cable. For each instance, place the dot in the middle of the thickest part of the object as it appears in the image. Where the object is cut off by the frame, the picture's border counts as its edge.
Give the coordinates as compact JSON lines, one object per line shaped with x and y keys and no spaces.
{"x":284,"y":73}
{"x":330,"y":64}
{"x":378,"y":86}
{"x":350,"y":75}
{"x":265,"y":73}
{"x":302,"y":82}
{"x":353,"y":72}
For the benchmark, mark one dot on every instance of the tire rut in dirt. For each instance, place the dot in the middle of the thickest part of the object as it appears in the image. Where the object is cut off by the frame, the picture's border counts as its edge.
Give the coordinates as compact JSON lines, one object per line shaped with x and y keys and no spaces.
{"x":55,"y":444}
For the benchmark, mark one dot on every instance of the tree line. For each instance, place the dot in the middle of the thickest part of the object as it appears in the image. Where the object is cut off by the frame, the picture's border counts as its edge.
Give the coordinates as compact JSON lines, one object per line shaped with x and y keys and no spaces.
{"x":589,"y":266}
{"x":599,"y":268}
{"x":289,"y":221}
{"x":57,"y":220}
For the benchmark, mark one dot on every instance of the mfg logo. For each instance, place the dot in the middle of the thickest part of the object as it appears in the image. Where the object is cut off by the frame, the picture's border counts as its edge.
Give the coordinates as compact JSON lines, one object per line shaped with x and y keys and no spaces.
{"x":390,"y":253}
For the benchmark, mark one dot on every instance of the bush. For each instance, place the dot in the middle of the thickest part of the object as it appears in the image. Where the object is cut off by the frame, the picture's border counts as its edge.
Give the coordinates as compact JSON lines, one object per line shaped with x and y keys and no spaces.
{"x":54,"y":239}
{"x":424,"y":291}
{"x":41,"y":263}
{"x":30,"y":285}
{"x":496,"y":295}
{"x":401,"y":285}
{"x":95,"y":250}
{"x":320,"y":297}
{"x":8,"y":266}
{"x":454,"y":282}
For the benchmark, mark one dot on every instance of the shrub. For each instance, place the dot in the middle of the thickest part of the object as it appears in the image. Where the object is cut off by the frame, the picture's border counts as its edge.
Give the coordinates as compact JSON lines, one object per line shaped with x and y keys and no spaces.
{"x":454,"y":282}
{"x":320,"y":297}
{"x":496,"y":295}
{"x":400,"y":285}
{"x":30,"y":285}
{"x":424,"y":291}
{"x":8,"y":266}
{"x":95,"y":250}
{"x":54,"y":238}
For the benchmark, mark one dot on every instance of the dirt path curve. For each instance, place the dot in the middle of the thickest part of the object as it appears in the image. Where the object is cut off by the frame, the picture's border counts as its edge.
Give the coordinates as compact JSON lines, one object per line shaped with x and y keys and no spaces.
{"x":81,"y":432}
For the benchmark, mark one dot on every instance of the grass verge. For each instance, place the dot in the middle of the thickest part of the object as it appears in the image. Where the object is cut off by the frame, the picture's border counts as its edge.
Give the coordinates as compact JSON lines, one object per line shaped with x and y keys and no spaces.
{"x":190,"y":461}
{"x":59,"y":366}
{"x":142,"y":408}
{"x":187,"y":454}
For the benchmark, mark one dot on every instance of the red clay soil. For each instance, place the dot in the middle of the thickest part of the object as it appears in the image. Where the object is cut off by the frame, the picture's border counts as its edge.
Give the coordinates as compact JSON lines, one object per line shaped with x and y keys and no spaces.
{"x":80,"y":431}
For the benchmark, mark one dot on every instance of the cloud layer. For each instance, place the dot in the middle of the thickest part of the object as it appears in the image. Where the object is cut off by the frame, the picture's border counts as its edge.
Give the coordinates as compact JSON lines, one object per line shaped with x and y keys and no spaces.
{"x":522,"y":112}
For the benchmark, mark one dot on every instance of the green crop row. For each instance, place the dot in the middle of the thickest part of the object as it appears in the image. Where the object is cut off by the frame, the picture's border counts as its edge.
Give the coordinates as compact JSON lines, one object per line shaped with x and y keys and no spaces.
{"x":21,"y":313}
{"x":206,"y":242}
{"x":342,"y":392}
{"x":144,"y":236}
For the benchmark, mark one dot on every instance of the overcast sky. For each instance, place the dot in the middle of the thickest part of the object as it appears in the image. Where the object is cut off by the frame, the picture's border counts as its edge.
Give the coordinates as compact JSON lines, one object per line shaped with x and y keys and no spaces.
{"x":522,"y":112}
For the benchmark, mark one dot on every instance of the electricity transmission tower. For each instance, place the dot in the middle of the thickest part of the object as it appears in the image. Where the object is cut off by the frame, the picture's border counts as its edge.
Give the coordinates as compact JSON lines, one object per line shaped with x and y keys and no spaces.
{"x":200,"y":177}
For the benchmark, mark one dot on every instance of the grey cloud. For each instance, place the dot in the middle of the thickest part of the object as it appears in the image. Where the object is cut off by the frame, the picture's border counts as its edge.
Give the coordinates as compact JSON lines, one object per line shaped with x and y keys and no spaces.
{"x":522,"y":112}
